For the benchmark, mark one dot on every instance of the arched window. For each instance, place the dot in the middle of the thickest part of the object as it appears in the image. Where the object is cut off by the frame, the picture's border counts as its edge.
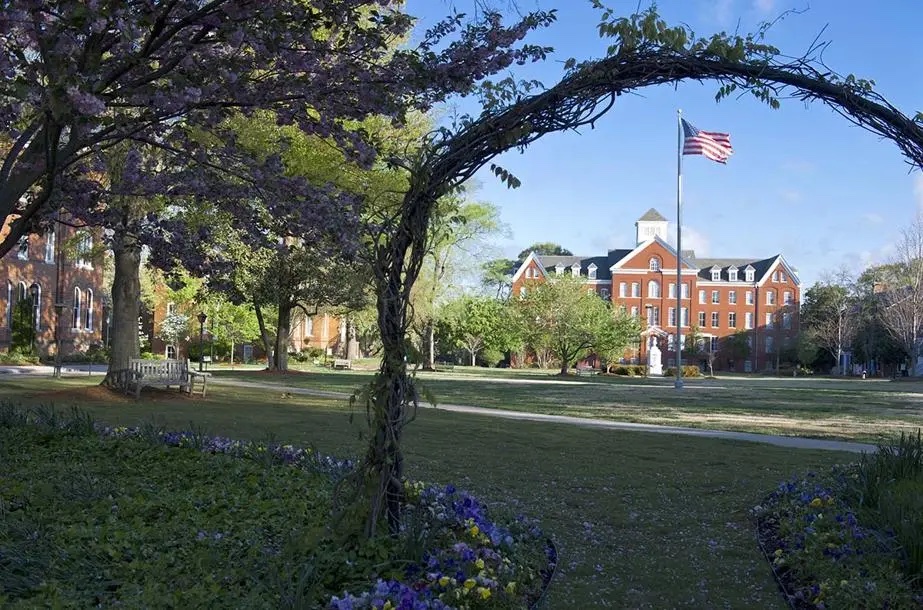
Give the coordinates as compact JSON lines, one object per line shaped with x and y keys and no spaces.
{"x":654,"y":264}
{"x":88,"y":311}
{"x":8,"y":312}
{"x":77,"y":298}
{"x":653,"y":289}
{"x":51,"y":240}
{"x":36,"y":291}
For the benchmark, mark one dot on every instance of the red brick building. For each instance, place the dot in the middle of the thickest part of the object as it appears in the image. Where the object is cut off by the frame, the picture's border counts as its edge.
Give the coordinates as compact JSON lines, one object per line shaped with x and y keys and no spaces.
{"x":757,"y":299}
{"x":38,"y":268}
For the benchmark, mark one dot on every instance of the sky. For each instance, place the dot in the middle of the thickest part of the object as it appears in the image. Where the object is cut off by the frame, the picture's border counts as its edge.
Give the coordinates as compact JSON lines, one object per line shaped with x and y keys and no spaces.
{"x":803,"y":181}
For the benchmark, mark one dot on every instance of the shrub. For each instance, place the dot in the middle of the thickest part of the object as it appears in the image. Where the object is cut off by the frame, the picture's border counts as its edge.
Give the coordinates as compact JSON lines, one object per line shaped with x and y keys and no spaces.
{"x":688,"y":371}
{"x":18,"y":358}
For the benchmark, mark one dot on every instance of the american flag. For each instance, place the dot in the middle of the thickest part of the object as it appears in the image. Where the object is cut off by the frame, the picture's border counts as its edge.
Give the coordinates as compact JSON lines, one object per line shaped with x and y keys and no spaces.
{"x":713,"y":145}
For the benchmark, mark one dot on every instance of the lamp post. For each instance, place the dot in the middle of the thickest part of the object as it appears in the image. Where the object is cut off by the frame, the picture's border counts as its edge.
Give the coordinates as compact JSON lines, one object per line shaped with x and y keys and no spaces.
{"x":202,"y":317}
{"x":33,"y":291}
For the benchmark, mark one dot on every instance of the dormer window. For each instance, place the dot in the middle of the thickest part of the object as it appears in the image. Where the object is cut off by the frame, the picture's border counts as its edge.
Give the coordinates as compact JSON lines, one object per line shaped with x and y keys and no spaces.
{"x":750,"y":272}
{"x":715,"y":274}
{"x":732,"y":274}
{"x":591,"y":271}
{"x":575,"y":269}
{"x":654,"y":264}
{"x":558,"y":269}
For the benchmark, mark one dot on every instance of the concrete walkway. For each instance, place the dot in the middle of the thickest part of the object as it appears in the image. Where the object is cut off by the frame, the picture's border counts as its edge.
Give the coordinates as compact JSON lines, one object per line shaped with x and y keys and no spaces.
{"x":793,"y":442}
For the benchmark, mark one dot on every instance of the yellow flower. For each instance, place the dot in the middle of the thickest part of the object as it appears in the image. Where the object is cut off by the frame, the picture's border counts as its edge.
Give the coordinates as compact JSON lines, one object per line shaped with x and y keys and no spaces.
{"x":475,"y":530}
{"x":469,"y":584}
{"x":387,"y":606}
{"x":444,"y":581}
{"x":484,"y":592}
{"x":480,"y":564}
{"x":817,"y":503}
{"x":843,"y":583}
{"x":511,"y":588}
{"x":778,"y":552}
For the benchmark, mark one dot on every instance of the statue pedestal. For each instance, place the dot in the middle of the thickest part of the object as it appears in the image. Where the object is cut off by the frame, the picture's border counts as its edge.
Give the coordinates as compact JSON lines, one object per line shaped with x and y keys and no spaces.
{"x":654,"y":365}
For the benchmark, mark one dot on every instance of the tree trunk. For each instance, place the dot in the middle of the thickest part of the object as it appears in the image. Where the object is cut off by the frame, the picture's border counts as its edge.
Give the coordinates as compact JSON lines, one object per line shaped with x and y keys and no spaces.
{"x":431,"y":346}
{"x":126,"y":305}
{"x":283,"y":331}
{"x":564,"y":367}
{"x":473,"y":357}
{"x":264,"y":335}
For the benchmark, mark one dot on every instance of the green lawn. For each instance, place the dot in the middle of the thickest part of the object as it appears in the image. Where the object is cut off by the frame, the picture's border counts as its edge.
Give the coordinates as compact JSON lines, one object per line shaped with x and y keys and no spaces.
{"x":641,"y":520}
{"x":850,"y":409}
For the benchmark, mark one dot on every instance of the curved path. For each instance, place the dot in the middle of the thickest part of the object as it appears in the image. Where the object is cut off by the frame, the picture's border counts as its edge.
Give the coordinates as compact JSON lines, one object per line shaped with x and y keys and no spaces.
{"x":794,"y":442}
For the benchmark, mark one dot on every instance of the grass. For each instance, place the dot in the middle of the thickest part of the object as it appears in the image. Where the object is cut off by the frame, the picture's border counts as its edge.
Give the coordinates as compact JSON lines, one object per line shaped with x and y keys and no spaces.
{"x":641,"y":520}
{"x":822,"y":408}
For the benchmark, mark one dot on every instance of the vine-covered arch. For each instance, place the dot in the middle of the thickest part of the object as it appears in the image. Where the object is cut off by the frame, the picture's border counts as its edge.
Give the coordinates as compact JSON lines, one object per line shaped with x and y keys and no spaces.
{"x":644,"y":52}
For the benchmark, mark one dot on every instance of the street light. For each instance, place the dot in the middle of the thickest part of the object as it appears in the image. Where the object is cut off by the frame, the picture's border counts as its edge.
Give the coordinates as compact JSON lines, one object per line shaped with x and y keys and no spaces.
{"x":202,"y":317}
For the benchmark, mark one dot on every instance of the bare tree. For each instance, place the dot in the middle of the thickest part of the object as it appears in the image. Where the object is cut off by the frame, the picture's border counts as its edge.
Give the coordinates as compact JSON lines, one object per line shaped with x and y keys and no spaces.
{"x":902,"y":299}
{"x":834,"y":319}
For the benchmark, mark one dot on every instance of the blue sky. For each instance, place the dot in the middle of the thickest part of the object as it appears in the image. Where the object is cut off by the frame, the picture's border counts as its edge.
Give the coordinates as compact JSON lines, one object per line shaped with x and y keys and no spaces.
{"x":803,"y":182}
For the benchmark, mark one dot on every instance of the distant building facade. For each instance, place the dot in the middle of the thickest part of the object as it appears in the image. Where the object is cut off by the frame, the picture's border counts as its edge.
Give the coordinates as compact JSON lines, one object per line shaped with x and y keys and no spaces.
{"x":745,"y":310}
{"x":38,"y":273}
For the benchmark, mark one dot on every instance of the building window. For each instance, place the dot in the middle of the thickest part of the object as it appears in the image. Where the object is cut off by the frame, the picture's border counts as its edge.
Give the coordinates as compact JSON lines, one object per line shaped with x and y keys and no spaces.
{"x":684,"y":316}
{"x":671,"y":341}
{"x":750,"y":273}
{"x":558,"y":269}
{"x":748,"y":366}
{"x":732,"y":297}
{"x":732,"y":320}
{"x":36,"y":291}
{"x":623,"y":289}
{"x":653,"y":289}
{"x":775,"y":276}
{"x":653,"y":316}
{"x":771,"y":297}
{"x":787,"y":298}
{"x":701,"y":319}
{"x":701,"y":297}
{"x":604,"y":293}
{"x":749,"y":297}
{"x":786,"y":320}
{"x":51,"y":240}
{"x":88,"y":311}
{"x":171,"y":352}
{"x":732,"y":274}
{"x":23,"y":252}
{"x":685,"y":291}
{"x":750,"y":342}
{"x":768,"y":320}
{"x":309,"y":327}
{"x":636,"y":289}
{"x":634,"y":311}
{"x":8,"y":311}
{"x":715,"y":275}
{"x":748,"y":319}
{"x":84,"y":250}
{"x":171,"y":309}
{"x":768,"y":345}
{"x":575,"y":270}
{"x":654,"y":264}
{"x":77,"y":298}
{"x":714,"y":344}
{"x":782,"y":276}
{"x":715,"y":297}
{"x":671,"y":316}
{"x":714,"y":319}
{"x":672,"y":291}
{"x":591,"y":272}
{"x":522,"y":292}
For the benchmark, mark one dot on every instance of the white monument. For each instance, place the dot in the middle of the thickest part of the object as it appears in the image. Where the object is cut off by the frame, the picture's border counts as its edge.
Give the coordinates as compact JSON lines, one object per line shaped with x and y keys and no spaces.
{"x":654,"y":365}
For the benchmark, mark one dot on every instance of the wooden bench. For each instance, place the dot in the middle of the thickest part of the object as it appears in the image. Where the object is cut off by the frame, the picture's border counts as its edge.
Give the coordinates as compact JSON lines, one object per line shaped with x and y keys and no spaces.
{"x":164,"y":373}
{"x":585,"y":371}
{"x":342,"y":363}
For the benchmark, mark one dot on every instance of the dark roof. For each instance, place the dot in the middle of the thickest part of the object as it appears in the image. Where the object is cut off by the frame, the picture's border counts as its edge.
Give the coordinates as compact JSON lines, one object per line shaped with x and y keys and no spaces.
{"x":652,"y":214}
{"x":602,"y":263}
{"x":704,"y":265}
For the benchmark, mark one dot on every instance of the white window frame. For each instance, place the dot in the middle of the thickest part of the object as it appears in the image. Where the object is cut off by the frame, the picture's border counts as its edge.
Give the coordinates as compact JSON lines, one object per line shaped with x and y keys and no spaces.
{"x":636,"y":290}
{"x":51,"y":240}
{"x":78,"y":299}
{"x":684,"y":317}
{"x":750,"y":274}
{"x":732,"y":297}
{"x":714,"y":344}
{"x":732,"y":274}
{"x":787,"y":297}
{"x":634,"y":311}
{"x":701,"y":297}
{"x":769,"y":321}
{"x":559,"y":269}
{"x":701,"y":319}
{"x":591,"y":271}
{"x":715,"y":319}
{"x":775,"y":277}
{"x":684,"y":290}
{"x":8,"y":310}
{"x":37,"y":306}
{"x":732,"y":319}
{"x":88,"y":311}
{"x":653,"y":289}
{"x":716,"y":275}
{"x":749,"y":298}
{"x":575,"y":270}
{"x":671,"y":292}
{"x":748,"y":320}
{"x":770,"y":297}
{"x":653,"y":264}
{"x":623,"y":289}
{"x":715,"y":297}
{"x":671,"y":316}
{"x":309,"y":326}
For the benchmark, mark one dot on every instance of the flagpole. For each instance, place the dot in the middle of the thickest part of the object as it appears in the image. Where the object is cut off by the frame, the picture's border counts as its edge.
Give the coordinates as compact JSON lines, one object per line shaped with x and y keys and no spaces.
{"x":678,"y":384}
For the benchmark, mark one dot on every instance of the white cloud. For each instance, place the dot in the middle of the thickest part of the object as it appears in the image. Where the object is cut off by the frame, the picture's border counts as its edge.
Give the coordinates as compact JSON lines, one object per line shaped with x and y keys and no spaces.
{"x":721,"y":11}
{"x":873,"y":218}
{"x":790,"y":195}
{"x":692,"y":240}
{"x":918,"y":190}
{"x":764,"y":6}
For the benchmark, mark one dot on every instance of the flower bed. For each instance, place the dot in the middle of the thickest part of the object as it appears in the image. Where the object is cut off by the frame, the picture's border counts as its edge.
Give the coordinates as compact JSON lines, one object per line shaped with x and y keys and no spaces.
{"x":96,"y":515}
{"x":851,"y":537}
